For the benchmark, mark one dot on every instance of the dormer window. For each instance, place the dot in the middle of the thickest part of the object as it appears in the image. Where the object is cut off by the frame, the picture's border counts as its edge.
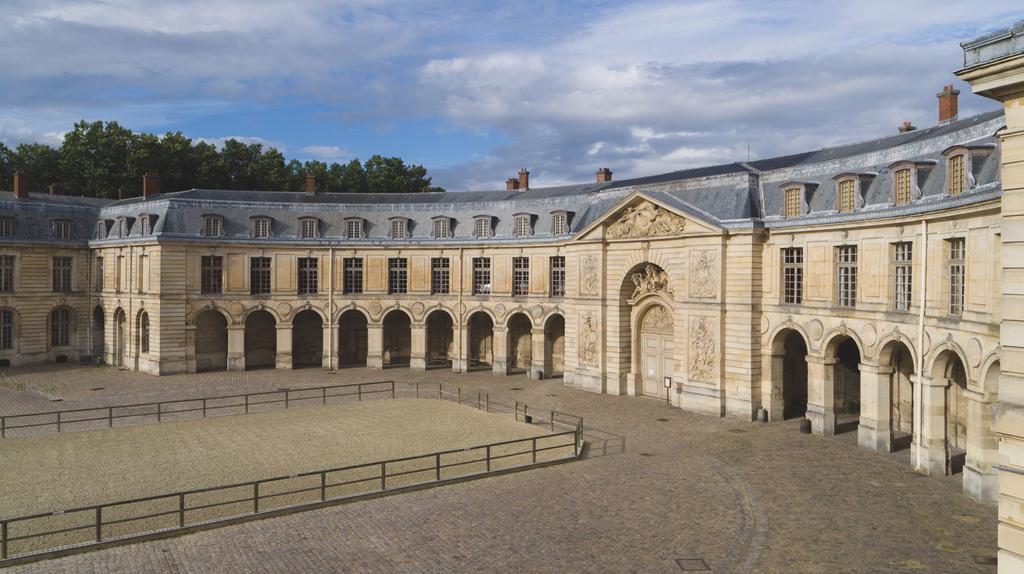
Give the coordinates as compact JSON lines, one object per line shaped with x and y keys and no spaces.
{"x":850,"y":190}
{"x":399,"y":228}
{"x":956,"y":182}
{"x":124,"y":226}
{"x":354,"y":228}
{"x":560,"y":223}
{"x":961,"y":163}
{"x":261,"y":227}
{"x":902,"y":194}
{"x":101,"y":229}
{"x":61,"y":228}
{"x":482,"y":226}
{"x":309,"y":228}
{"x":146,"y":227}
{"x":442,"y":228}
{"x":213,"y":226}
{"x":6,"y":226}
{"x":846,"y":191}
{"x":522,"y":226}
{"x":793,"y":203}
{"x":906,"y":177}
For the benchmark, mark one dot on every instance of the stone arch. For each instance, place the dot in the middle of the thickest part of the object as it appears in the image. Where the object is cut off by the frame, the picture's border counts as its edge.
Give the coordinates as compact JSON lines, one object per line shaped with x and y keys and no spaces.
{"x":653,"y":346}
{"x":480,"y":333}
{"x":440,"y":333}
{"x":789,"y":349}
{"x":260,"y":339}
{"x":256,"y":309}
{"x":353,"y":337}
{"x":519,"y":311}
{"x":308,"y":308}
{"x":211,"y":340}
{"x":307,"y":338}
{"x":941,"y":359}
{"x":896,"y":356}
{"x":120,"y":338}
{"x":228,"y":319}
{"x":485,"y":310}
{"x":99,"y":334}
{"x":885,"y":348}
{"x":554,"y":345}
{"x":950,"y":367}
{"x":989,"y":383}
{"x":843,"y":347}
{"x":624,"y":320}
{"x":519,"y":333}
{"x":772,"y":339}
{"x":397,"y":308}
{"x":397,"y":337}
{"x":354,"y":308}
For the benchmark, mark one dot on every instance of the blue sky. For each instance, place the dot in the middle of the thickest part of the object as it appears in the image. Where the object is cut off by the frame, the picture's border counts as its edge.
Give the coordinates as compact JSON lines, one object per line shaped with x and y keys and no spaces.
{"x":476,"y":90}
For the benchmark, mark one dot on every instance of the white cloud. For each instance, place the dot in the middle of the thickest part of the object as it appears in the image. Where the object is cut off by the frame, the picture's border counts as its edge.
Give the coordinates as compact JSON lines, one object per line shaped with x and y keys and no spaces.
{"x":332,"y":152}
{"x":220,"y":141}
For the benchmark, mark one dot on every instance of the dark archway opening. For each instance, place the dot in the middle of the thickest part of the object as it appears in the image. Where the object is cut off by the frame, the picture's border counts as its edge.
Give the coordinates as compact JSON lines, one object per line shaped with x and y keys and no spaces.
{"x":397,"y":339}
{"x":352,"y":339}
{"x":481,"y":338}
{"x":794,"y":376}
{"x":260,"y":340}
{"x":211,"y":341}
{"x":307,"y":339}
{"x":846,"y":378}
{"x":440,"y":339}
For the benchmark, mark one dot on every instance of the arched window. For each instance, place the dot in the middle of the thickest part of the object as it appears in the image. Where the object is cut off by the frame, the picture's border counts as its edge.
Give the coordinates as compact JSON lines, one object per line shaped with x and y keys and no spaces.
{"x":144,"y":333}
{"x":957,"y":180}
{"x":60,"y":327}
{"x":6,"y":329}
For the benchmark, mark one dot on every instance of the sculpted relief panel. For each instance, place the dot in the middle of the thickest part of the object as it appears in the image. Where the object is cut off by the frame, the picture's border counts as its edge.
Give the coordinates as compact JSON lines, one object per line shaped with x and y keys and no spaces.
{"x":703,"y":274}
{"x":588,"y":347}
{"x":703,"y":350}
{"x":645,"y":220}
{"x":651,"y":280}
{"x":658,"y":319}
{"x":588,"y":275}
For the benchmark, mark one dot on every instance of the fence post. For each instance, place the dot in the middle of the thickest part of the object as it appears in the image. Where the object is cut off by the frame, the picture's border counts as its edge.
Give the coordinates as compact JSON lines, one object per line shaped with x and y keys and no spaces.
{"x":204,"y":407}
{"x":99,"y":524}
{"x":515,"y":411}
{"x":392,"y":389}
{"x":487,"y":404}
{"x":383,"y":475}
{"x":488,"y":458}
{"x":460,"y":395}
{"x":437,"y":465}
{"x":181,"y":510}
{"x":325,"y":395}
{"x":478,"y":400}
{"x":417,"y":389}
{"x":286,"y":398}
{"x":323,"y":483}
{"x":159,"y":409}
{"x":58,"y":421}
{"x":3,"y":427}
{"x":359,"y":387}
{"x":3,"y":540}
{"x":552,"y":421}
{"x":110,"y":417}
{"x":246,"y":404}
{"x":534,"y":441}
{"x":255,"y":497}
{"x":440,"y":388}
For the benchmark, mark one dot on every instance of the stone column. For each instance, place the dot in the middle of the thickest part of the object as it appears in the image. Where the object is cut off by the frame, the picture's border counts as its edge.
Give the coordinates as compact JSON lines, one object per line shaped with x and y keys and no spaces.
{"x":499,"y":345}
{"x":772,"y":367}
{"x":994,"y":66}
{"x":931,"y":446}
{"x":981,"y":481}
{"x":460,"y":361}
{"x":538,"y":346}
{"x":418,"y":353}
{"x":283,"y":360}
{"x":375,"y":345}
{"x":326,"y":353}
{"x":236,"y":347}
{"x":875,"y":430}
{"x":821,"y":395}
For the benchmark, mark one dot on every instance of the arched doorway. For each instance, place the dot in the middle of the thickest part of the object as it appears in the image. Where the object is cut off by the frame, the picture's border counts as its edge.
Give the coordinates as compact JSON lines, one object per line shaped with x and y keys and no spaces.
{"x":307,"y":339}
{"x":897,"y":356}
{"x":211,"y":341}
{"x":628,"y":365}
{"x":480,"y":353}
{"x":440,"y":338}
{"x":352,"y":339}
{"x":142,"y":335}
{"x":397,"y":339}
{"x":260,"y":340}
{"x":520,"y":343}
{"x":554,"y":346}
{"x":794,"y":373}
{"x":98,"y":335}
{"x":656,"y":346}
{"x":846,"y":384}
{"x":956,"y":412}
{"x":121,"y":339}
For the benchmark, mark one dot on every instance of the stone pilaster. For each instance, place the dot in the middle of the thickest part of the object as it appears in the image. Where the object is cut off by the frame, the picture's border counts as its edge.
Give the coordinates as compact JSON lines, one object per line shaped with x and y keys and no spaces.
{"x":874,"y":431}
{"x":772,"y":367}
{"x":821,"y":395}
{"x":375,"y":345}
{"x":931,"y":445}
{"x":499,"y":344}
{"x":283,"y":359}
{"x":537,"y":345}
{"x":418,"y":354}
{"x":236,"y":347}
{"x":981,"y":481}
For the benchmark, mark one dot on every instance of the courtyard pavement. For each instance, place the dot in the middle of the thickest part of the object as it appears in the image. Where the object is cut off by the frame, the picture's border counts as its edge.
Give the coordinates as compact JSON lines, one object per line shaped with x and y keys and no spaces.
{"x":661,"y":490}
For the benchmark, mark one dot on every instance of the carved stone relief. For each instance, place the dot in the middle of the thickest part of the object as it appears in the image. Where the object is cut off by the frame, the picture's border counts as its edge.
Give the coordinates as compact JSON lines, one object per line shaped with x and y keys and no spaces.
{"x":588,"y":275}
{"x":588,"y":339}
{"x":703,"y":350}
{"x":645,"y":220}
{"x":658,"y":318}
{"x":703,"y":273}
{"x":651,"y":280}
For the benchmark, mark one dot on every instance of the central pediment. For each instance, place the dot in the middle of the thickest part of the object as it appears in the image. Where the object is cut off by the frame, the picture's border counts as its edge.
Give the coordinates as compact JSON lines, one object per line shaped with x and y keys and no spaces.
{"x":644,"y":220}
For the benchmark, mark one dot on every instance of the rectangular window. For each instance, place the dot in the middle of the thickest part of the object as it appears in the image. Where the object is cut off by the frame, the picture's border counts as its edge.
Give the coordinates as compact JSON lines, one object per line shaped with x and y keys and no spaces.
{"x":259,"y":275}
{"x":6,"y":330}
{"x":956,"y":175}
{"x":442,"y":228}
{"x":846,"y":275}
{"x":212,"y":274}
{"x":6,"y":273}
{"x":399,"y":229}
{"x":62,"y":229}
{"x":99,"y":274}
{"x":522,"y":226}
{"x":354,"y":228}
{"x":957,"y":250}
{"x":62,"y":274}
{"x":557,"y":264}
{"x":261,"y":228}
{"x":440,"y":275}
{"x":520,"y":275}
{"x":145,"y":225}
{"x":352,"y":275}
{"x":793,"y":275}
{"x":482,"y":227}
{"x":559,"y":224}
{"x":903,"y":275}
{"x":398,"y":275}
{"x":119,"y":274}
{"x":211,"y":226}
{"x":101,"y":230}
{"x":846,"y":195}
{"x":60,"y":327}
{"x":7,"y":227}
{"x":792,"y":208}
{"x":481,"y":276}
{"x":309,"y":228}
{"x":308,"y":280}
{"x":902,"y":195}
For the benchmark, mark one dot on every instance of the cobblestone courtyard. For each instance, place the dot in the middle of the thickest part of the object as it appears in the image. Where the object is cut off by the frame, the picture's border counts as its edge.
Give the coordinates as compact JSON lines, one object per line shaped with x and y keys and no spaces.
{"x":661,"y":491}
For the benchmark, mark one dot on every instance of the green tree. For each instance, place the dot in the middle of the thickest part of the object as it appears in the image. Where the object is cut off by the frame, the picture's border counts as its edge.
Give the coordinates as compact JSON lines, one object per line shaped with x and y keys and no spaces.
{"x":6,"y":167}
{"x":41,"y":162}
{"x":94,"y":159}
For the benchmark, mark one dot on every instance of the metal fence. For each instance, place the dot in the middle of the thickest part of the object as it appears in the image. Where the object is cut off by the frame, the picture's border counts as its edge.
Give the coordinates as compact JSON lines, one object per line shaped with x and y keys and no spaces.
{"x":35,"y":536}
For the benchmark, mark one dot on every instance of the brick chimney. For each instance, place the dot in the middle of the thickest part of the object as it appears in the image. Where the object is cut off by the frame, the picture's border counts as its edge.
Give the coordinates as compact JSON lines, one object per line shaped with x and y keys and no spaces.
{"x":907,"y":127}
{"x":20,"y":184}
{"x":511,"y":184}
{"x":947,"y":103}
{"x":55,"y":189}
{"x":150,"y":184}
{"x":524,"y":179}
{"x":310,"y":183}
{"x":604,"y":175}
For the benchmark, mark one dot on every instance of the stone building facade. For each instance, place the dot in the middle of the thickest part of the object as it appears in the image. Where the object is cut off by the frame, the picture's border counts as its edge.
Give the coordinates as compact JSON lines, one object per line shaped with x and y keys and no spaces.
{"x":857,"y":286}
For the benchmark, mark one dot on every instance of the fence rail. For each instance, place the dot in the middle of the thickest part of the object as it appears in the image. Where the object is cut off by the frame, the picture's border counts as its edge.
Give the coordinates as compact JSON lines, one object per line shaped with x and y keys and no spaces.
{"x":37,"y":535}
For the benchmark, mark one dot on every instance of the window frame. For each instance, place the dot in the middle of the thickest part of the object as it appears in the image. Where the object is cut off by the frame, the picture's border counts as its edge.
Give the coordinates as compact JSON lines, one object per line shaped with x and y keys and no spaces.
{"x":8,"y":266}
{"x":846,"y":195}
{"x":262,"y":227}
{"x":352,"y":275}
{"x":309,"y":228}
{"x":792,"y":201}
{"x":483,"y":227}
{"x":6,"y":227}
{"x":903,"y":276}
{"x":901,"y":187}
{"x":144,"y":333}
{"x":213,"y":226}
{"x":6,"y":329}
{"x":956,"y":273}
{"x":61,"y":228}
{"x":60,"y":327}
{"x":520,"y":276}
{"x":556,"y":276}
{"x":260,"y":275}
{"x":482,"y":284}
{"x":211,"y":271}
{"x":440,"y":275}
{"x":308,"y":281}
{"x":522,"y":225}
{"x":354,"y":228}
{"x":846,"y":273}
{"x":560,"y":223}
{"x":445,"y":224}
{"x":398,"y":228}
{"x":792,"y":260}
{"x":957,"y":185}
{"x":398,"y":275}
{"x":61,"y":271}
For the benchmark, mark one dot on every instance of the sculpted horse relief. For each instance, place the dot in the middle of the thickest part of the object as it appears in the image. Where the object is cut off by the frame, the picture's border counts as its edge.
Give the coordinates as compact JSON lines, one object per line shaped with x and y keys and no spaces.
{"x":646,"y":220}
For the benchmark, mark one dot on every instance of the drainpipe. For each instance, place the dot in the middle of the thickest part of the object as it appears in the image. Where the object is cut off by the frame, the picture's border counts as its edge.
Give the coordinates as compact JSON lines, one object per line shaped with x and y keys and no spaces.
{"x":330,"y":312}
{"x":918,"y":388}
